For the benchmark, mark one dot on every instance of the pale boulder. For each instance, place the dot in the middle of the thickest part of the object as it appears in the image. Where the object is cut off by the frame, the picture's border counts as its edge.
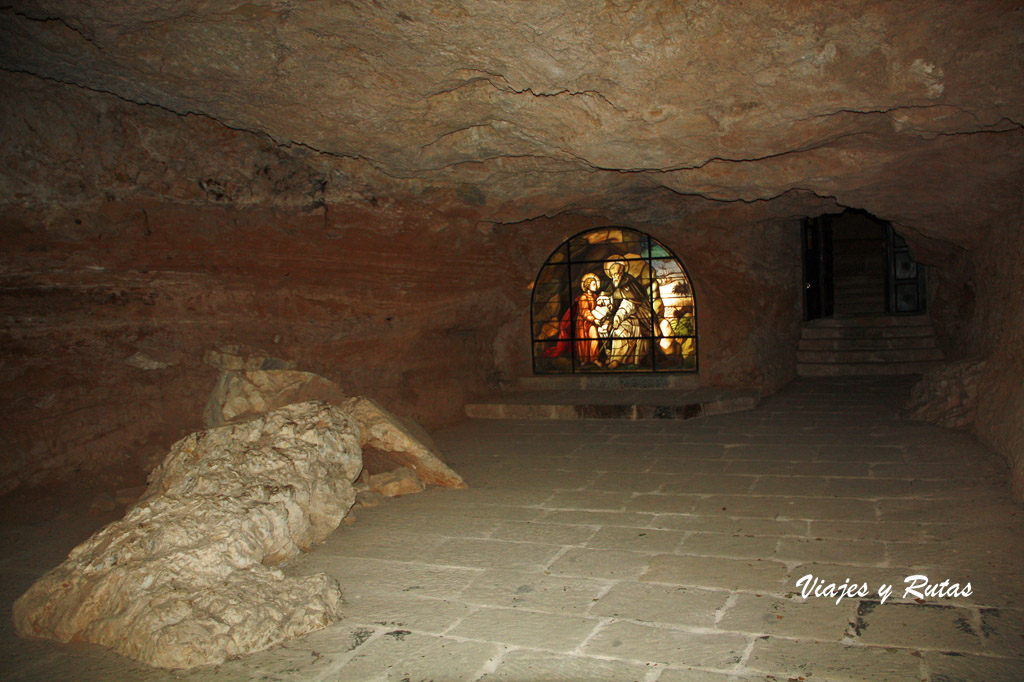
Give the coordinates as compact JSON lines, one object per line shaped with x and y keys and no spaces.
{"x":238,"y":358}
{"x":241,"y":395}
{"x":186,"y":577}
{"x":395,"y":483}
{"x":947,"y":395}
{"x":389,"y":443}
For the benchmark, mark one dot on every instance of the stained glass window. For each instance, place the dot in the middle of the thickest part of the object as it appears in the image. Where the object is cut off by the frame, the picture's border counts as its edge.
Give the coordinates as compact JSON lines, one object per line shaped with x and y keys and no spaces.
{"x":613,"y":300}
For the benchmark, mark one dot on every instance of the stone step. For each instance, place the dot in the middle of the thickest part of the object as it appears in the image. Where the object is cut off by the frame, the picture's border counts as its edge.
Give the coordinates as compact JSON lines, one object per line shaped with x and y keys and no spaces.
{"x":878,"y":355}
{"x":860,"y":291}
{"x":854,"y":345}
{"x":858,"y":307}
{"x":863,"y":368}
{"x":865,"y":332}
{"x":609,"y":382}
{"x":606,"y":404}
{"x":872,"y":287}
{"x":866,"y":288}
{"x":869,"y":277}
{"x":904,"y":321}
{"x":859,"y":282}
{"x":868,"y":343}
{"x":860,"y":295}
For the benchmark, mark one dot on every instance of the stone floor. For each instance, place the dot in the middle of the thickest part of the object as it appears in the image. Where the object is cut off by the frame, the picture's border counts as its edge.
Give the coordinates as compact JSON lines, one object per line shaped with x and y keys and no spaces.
{"x":663,"y":551}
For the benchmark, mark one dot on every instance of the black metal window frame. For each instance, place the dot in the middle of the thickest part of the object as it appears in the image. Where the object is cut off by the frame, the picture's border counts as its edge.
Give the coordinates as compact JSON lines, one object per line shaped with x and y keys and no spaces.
{"x":648,"y":244}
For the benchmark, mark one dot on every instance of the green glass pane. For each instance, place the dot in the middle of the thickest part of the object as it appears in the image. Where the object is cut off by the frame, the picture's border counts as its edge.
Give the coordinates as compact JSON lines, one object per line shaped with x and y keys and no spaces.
{"x":676,"y":326}
{"x":659,"y":251}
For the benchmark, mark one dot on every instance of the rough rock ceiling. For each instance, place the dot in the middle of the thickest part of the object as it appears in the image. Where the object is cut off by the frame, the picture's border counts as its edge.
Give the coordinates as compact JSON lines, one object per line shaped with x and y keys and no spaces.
{"x":913,"y":110}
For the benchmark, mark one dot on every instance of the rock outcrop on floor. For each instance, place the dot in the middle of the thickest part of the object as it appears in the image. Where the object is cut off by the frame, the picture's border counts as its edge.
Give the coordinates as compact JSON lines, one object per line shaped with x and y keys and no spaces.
{"x":186,"y":577}
{"x":387,"y":441}
{"x":947,"y":395}
{"x":242,"y":394}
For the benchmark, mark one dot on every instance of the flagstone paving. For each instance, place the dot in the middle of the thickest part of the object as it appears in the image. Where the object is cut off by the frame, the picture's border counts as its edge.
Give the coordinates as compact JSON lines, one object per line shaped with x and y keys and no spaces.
{"x":657,"y":551}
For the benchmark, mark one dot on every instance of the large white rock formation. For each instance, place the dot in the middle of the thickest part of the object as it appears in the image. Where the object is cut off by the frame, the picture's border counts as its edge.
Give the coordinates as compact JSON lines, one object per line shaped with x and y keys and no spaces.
{"x":241,"y":395}
{"x":186,"y":577}
{"x":387,"y":441}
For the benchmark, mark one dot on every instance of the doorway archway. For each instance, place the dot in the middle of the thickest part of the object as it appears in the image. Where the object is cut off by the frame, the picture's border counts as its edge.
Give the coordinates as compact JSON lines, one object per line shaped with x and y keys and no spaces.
{"x":856,"y":265}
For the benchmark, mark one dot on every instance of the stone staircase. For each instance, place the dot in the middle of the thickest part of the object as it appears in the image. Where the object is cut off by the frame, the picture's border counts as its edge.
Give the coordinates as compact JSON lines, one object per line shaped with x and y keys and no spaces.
{"x":867,"y":345}
{"x":859,"y":295}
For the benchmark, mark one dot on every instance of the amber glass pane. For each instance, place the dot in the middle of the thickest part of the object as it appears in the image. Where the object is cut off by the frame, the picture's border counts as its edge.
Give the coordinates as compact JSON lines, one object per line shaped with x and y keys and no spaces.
{"x":561,"y":254}
{"x":604,"y":242}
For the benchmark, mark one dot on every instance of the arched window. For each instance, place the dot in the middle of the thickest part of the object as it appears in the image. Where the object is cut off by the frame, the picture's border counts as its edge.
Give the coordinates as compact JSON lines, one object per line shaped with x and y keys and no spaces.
{"x":613,"y":300}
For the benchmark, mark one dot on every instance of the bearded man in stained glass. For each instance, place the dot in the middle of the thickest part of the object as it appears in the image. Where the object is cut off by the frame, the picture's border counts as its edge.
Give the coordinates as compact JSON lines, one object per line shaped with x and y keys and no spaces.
{"x":633,"y":320}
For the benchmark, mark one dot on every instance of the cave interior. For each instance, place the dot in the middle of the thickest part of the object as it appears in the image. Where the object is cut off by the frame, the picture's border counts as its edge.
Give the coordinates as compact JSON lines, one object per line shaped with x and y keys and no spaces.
{"x":369,"y":191}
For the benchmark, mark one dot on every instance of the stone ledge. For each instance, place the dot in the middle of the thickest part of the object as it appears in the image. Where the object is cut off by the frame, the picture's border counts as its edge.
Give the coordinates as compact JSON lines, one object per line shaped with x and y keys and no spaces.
{"x":685,"y":381}
{"x":633,"y":405}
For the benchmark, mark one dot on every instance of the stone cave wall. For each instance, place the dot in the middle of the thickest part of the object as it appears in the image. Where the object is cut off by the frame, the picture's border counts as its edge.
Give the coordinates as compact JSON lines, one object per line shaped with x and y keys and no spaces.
{"x":371,"y":198}
{"x":997,"y":333}
{"x":977,"y":308}
{"x":130,"y":229}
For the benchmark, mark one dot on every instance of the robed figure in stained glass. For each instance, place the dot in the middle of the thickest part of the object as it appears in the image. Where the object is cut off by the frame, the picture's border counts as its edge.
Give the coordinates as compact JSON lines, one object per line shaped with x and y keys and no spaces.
{"x":587,"y":341}
{"x":632,"y":320}
{"x":613,"y":300}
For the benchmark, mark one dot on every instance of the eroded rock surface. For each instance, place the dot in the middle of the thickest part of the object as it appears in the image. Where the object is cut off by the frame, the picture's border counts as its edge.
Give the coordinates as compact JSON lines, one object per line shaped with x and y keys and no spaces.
{"x":186,"y":577}
{"x":241,"y":395}
{"x":389,"y":443}
{"x":515,"y":110}
{"x":947,"y":395}
{"x":394,"y":483}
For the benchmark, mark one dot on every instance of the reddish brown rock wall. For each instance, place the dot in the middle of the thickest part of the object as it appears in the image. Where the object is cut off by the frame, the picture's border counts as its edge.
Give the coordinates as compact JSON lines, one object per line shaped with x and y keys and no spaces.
{"x":384,"y":315}
{"x":979,"y":312}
